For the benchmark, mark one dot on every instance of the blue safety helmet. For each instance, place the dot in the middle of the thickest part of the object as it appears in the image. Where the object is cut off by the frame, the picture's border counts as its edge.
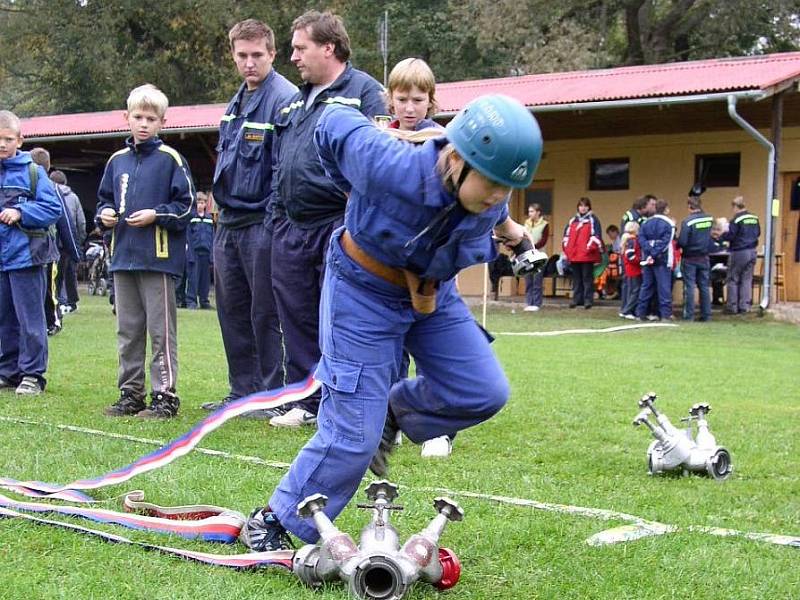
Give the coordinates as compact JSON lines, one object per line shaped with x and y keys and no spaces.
{"x":499,"y":138}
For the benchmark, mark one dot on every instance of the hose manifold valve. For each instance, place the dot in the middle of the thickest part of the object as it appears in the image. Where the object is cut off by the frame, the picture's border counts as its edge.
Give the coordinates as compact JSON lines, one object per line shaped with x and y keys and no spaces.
{"x":378,"y":568}
{"x":683,"y":449}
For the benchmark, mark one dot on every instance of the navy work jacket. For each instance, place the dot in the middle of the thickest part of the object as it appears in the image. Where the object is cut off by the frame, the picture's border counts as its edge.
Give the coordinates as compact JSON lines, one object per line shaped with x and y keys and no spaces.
{"x":304,"y":192}
{"x":396,"y":193}
{"x":743,"y":232}
{"x":695,"y":234}
{"x":243,"y":174}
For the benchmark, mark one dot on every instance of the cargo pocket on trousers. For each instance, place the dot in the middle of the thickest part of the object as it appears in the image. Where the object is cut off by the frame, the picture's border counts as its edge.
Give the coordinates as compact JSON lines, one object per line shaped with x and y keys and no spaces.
{"x":344,"y":406}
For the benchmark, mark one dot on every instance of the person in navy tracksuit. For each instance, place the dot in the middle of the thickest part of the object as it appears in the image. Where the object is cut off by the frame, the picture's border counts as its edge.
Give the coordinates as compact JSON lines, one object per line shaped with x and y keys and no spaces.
{"x":26,"y":213}
{"x":145,"y":197}
{"x":416,"y":216}
{"x":308,"y":206}
{"x":200,"y":242}
{"x":655,"y":240}
{"x":242,"y":256}
{"x":743,"y":233}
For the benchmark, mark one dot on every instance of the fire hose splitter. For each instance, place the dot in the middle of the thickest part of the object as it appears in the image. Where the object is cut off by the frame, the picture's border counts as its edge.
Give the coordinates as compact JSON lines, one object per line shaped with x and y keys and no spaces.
{"x":378,"y":568}
{"x":677,"y":449}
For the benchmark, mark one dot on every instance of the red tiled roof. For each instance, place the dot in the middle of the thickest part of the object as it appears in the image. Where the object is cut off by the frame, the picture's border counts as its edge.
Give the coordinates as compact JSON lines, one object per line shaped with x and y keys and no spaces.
{"x":199,"y":116}
{"x":649,"y":81}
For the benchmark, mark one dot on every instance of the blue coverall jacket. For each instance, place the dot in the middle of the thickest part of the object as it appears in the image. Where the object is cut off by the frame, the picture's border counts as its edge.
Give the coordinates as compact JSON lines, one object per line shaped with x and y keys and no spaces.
{"x":400,"y":213}
{"x":28,"y":242}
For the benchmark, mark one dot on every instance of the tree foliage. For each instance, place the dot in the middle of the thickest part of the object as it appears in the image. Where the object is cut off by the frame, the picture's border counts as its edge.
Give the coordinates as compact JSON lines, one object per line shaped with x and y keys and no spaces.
{"x":85,"y":55}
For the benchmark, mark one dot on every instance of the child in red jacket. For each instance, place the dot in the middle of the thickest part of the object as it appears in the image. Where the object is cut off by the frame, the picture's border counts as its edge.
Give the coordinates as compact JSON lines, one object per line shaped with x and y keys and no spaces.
{"x":631,"y":255}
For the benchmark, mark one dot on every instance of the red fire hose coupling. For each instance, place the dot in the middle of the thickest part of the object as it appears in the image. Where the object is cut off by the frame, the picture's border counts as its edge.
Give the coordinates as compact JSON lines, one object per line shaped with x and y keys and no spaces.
{"x":451,"y":569}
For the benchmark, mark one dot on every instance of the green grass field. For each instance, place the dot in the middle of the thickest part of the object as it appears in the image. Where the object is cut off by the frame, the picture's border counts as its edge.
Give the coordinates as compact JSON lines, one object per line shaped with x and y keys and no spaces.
{"x":565,"y":437}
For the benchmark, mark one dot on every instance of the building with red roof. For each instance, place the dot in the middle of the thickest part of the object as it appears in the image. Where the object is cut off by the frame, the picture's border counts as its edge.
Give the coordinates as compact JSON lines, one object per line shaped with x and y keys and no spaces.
{"x":610,"y":134}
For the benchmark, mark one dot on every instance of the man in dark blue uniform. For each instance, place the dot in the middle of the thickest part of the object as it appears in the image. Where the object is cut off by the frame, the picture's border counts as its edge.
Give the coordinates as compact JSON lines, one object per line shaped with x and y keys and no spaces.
{"x":743,"y":233}
{"x":242,"y":246}
{"x":309,"y":206}
{"x":695,"y":241}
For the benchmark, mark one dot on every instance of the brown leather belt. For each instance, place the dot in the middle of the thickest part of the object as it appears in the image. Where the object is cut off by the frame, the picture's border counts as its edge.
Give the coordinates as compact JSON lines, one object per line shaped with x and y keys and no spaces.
{"x":423,"y":291}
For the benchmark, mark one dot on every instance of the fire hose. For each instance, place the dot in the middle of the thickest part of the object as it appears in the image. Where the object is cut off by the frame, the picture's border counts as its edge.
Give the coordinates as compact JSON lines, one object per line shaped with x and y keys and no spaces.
{"x":379,"y":569}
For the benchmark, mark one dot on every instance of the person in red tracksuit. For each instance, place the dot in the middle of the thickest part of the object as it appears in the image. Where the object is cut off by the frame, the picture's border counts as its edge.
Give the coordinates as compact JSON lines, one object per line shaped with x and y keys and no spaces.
{"x":583,"y":246}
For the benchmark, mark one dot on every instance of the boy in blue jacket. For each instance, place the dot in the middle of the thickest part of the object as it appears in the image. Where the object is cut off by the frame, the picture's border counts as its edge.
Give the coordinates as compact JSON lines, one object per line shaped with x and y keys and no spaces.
{"x":146,"y":196}
{"x":201,"y":243}
{"x":28,"y":206}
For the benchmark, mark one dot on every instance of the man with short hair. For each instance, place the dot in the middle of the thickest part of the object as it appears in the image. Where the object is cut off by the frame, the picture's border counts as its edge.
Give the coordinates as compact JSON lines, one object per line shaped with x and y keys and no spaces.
{"x":242,"y":186}
{"x":309,"y":206}
{"x":694,"y":241}
{"x":643,"y":207}
{"x":743,"y":233}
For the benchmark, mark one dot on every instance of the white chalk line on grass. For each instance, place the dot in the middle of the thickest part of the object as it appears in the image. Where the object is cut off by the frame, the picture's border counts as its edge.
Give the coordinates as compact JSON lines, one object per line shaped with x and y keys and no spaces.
{"x":636,"y":528}
{"x":574,"y":331}
{"x":119,"y":436}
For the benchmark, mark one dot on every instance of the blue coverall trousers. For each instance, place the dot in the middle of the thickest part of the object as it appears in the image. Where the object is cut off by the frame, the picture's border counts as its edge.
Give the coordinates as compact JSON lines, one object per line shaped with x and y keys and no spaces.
{"x":23,"y":329}
{"x":365,"y":323}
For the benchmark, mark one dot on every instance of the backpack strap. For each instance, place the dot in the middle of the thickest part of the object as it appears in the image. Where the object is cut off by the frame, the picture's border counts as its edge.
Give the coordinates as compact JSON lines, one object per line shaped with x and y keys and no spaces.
{"x":33,"y":176}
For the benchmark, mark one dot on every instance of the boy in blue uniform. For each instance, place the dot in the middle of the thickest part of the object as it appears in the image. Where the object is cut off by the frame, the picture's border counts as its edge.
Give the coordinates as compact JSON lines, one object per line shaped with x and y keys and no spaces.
{"x":416,"y":215}
{"x":655,"y":240}
{"x":743,"y":233}
{"x":146,"y":197}
{"x":28,"y":206}
{"x":199,"y":246}
{"x":694,"y":241}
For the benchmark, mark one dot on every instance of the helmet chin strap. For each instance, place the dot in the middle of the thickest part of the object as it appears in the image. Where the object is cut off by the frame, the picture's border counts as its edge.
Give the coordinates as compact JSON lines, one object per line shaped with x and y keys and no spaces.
{"x":455,"y":188}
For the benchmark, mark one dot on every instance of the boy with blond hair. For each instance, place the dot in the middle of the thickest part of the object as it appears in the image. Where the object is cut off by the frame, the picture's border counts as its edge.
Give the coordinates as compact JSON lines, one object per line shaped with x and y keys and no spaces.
{"x":411,"y":95}
{"x":28,"y":206}
{"x":146,"y":196}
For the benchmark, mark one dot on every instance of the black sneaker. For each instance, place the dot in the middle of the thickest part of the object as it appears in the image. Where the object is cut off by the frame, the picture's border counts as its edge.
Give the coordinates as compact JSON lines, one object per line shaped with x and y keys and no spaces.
{"x":263,"y":532}
{"x":6,"y":385}
{"x":164,"y":405}
{"x":128,"y":404}
{"x":265,"y":414}
{"x":53,"y":330}
{"x":380,"y":462}
{"x":212,"y":406}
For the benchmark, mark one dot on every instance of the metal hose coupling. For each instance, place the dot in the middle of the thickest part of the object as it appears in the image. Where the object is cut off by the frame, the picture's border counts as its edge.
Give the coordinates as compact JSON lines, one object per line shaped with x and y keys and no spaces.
{"x":378,"y":568}
{"x":687,"y":450}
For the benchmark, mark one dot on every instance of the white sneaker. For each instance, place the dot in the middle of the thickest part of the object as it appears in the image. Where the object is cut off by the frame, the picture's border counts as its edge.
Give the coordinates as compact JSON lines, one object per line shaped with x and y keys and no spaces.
{"x":630,"y":317}
{"x":398,"y":439}
{"x":296,"y":417}
{"x":531,"y":308}
{"x":439,"y":447}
